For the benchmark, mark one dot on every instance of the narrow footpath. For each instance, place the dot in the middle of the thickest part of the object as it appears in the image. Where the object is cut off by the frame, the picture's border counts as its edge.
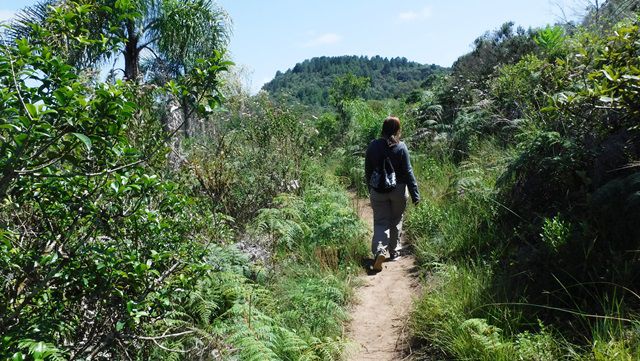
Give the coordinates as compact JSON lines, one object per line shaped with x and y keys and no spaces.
{"x":379,"y":326}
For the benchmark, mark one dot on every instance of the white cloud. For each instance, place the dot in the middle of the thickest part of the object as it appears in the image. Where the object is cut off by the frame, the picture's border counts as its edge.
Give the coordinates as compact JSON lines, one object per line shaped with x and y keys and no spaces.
{"x":6,"y":14}
{"x":323,"y":39}
{"x":413,"y":15}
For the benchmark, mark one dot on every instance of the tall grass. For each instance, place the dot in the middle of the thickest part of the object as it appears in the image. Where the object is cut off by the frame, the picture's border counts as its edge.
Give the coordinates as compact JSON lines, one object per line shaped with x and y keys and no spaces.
{"x":458,"y":200}
{"x":464,"y":313}
{"x":472,"y":309}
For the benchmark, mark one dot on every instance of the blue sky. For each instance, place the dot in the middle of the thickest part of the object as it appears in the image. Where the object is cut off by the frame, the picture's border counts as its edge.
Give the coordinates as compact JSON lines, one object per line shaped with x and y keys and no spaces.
{"x":274,"y":35}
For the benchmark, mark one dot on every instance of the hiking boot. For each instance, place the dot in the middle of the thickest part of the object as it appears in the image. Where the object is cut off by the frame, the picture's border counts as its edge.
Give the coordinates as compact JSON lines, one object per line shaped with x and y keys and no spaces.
{"x":394,"y":255}
{"x":377,"y":261}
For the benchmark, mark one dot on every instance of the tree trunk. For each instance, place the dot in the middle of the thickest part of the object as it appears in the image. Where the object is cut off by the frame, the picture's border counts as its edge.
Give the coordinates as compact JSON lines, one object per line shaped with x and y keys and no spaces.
{"x":131,"y":54}
{"x":186,"y":127}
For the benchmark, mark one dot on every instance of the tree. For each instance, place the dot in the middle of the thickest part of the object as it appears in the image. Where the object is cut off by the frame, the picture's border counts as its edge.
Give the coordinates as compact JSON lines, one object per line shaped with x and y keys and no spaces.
{"x":71,"y":38}
{"x":177,"y":35}
{"x":345,"y":89}
{"x":176,"y":31}
{"x":348,"y":87}
{"x":596,"y":13}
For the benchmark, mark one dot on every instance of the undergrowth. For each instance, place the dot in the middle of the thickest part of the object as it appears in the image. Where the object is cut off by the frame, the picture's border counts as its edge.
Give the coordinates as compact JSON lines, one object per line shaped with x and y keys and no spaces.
{"x":471,"y":309}
{"x":291,"y":308}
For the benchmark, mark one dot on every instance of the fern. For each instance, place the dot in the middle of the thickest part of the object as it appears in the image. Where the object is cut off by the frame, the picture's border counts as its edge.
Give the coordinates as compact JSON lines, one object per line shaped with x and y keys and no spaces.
{"x":41,"y":351}
{"x":297,"y":314}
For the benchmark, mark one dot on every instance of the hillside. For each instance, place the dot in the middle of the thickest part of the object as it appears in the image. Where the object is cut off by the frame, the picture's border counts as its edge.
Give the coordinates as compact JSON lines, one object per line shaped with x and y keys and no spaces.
{"x":309,"y":81}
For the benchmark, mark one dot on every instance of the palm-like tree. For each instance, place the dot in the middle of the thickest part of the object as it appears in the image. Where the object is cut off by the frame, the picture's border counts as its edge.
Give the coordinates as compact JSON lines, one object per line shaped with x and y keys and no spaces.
{"x":175,"y":31}
{"x":94,"y":20}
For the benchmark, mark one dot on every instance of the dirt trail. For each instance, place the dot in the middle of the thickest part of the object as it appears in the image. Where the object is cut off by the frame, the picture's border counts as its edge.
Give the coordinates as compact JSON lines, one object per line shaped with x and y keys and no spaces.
{"x":379,"y":328}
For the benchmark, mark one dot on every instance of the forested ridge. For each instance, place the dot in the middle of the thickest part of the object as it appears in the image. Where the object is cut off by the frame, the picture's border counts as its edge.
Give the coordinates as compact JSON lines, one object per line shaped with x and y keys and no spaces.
{"x":165,"y":213}
{"x":308,"y":82}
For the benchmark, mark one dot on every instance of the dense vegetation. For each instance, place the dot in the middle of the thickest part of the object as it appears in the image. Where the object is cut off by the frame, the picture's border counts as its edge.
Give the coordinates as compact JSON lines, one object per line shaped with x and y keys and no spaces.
{"x":309,"y":82}
{"x":527,"y":226}
{"x":140,"y":219}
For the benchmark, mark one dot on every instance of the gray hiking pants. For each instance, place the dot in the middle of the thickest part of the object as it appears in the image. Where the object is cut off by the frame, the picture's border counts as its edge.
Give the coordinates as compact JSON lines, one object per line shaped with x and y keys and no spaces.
{"x":388,"y":209}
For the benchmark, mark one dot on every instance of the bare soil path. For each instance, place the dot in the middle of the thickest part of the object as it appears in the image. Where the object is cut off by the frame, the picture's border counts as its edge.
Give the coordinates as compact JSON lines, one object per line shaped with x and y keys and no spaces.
{"x":379,"y":328}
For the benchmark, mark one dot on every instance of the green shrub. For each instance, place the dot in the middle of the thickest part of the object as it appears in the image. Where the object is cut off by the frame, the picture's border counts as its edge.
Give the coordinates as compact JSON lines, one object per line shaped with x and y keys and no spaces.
{"x":555,"y":233}
{"x":261,"y":155}
{"x":542,"y":345}
{"x":319,"y":226}
{"x":521,"y":90}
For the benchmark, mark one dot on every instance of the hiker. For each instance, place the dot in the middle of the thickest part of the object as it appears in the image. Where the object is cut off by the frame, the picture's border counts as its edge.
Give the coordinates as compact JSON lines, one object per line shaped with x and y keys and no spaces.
{"x":388,"y":201}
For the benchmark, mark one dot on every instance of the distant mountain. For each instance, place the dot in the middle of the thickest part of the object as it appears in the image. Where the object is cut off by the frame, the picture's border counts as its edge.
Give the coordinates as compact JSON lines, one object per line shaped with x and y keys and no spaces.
{"x":309,"y":81}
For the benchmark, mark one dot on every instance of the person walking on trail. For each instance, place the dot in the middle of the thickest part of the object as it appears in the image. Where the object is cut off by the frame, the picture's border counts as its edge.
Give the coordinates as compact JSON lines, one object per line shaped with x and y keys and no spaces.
{"x":390,"y":180}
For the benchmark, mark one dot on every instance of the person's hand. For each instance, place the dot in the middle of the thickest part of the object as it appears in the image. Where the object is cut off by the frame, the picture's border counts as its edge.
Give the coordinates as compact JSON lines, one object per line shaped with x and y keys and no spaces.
{"x":415,"y":202}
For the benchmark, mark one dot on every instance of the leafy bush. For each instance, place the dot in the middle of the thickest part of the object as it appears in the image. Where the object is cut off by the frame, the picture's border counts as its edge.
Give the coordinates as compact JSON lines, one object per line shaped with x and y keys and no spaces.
{"x":555,"y":233}
{"x":319,"y":226}
{"x":551,"y":40}
{"x":260,"y":154}
{"x":91,"y":238}
{"x":522,"y":90}
{"x":466,"y":313}
{"x":350,"y":169}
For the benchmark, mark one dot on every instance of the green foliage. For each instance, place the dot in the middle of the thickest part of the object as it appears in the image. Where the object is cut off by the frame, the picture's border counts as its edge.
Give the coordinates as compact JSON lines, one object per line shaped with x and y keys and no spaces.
{"x":113,"y":248}
{"x":502,"y":46}
{"x":522,"y":90}
{"x":297,"y":312}
{"x":366,"y":119}
{"x":187,"y":31}
{"x":179,"y":33}
{"x":551,"y":40}
{"x":601,"y":16}
{"x":347,"y":88}
{"x":555,"y":233}
{"x":350,"y":169}
{"x":539,"y":346}
{"x":79,"y":32}
{"x":453,"y":233}
{"x":39,"y":351}
{"x":258,"y":153}
{"x":320,"y":225}
{"x":92,"y":237}
{"x":328,"y":128}
{"x":344,"y":90}
{"x":616,"y":72}
{"x":548,"y":235}
{"x":308,"y":82}
{"x":471,"y":73}
{"x":614,"y":206}
{"x":486,"y":341}
{"x":457,"y":203}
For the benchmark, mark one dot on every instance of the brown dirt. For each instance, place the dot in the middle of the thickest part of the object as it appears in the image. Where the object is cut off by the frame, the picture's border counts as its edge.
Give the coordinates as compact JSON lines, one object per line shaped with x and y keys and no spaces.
{"x":378,"y":327}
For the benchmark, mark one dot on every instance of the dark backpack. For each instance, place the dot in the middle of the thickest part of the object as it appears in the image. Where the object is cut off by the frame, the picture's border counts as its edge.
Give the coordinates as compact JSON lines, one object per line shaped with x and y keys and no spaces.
{"x":383,"y":177}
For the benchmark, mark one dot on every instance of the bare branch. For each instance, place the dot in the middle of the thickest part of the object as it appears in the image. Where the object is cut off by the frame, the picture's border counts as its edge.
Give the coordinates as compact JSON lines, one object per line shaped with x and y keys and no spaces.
{"x":155,"y":338}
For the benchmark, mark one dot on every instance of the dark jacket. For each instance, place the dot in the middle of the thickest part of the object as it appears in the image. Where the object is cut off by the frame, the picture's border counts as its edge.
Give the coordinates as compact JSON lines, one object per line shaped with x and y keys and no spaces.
{"x":399,"y":156}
